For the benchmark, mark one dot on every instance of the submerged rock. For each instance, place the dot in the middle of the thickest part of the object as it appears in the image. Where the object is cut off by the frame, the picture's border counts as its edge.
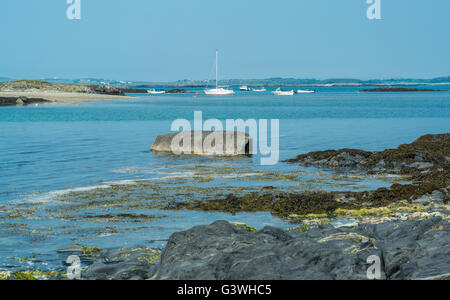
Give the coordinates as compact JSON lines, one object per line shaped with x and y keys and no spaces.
{"x":78,"y":249}
{"x":208,"y":143}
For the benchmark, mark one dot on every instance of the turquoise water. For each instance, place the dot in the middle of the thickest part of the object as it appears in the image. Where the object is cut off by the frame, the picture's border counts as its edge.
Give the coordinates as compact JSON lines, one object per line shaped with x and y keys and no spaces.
{"x":50,"y":151}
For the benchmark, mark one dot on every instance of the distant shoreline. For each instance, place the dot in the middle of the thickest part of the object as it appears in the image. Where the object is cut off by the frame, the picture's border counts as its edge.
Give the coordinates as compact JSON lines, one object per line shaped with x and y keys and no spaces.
{"x":399,"y":89}
{"x":276,"y":85}
{"x":267,"y":82}
{"x":25,"y":92}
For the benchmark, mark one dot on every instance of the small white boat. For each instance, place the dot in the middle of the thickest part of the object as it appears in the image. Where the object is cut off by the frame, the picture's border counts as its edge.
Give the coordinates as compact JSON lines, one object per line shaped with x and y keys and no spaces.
{"x":260,"y":90}
{"x":305,"y":91}
{"x":156,"y":91}
{"x":280,"y":92}
{"x":244,"y":88}
{"x":218,"y":91}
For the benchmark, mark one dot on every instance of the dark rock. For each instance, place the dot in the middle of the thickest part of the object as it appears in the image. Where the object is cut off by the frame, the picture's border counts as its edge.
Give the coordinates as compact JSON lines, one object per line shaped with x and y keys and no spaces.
{"x":176,"y":91}
{"x":124,"y":264}
{"x":424,"y":162}
{"x":415,"y":250}
{"x":332,"y":158}
{"x":425,"y":153}
{"x":126,"y":90}
{"x":223,"y":251}
{"x":8,"y":101}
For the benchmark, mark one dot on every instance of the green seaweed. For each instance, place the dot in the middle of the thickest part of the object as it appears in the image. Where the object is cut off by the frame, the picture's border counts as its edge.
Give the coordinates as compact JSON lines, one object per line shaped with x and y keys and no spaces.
{"x":91,"y":251}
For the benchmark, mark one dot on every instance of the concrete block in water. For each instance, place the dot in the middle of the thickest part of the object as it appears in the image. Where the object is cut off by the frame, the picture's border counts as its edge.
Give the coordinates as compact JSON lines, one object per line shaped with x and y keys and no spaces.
{"x":211,"y":143}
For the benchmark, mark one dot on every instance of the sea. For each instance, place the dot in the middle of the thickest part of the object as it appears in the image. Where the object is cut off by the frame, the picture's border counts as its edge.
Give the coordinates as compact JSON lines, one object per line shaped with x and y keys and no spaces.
{"x":84,"y":173}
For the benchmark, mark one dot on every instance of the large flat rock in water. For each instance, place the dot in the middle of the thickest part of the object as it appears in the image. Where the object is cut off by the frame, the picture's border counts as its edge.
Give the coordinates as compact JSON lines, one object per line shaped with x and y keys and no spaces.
{"x":212,"y":143}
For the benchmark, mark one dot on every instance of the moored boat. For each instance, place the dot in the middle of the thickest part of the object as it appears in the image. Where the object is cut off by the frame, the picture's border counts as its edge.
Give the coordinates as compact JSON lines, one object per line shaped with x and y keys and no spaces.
{"x":259,"y":90}
{"x":218,"y":91}
{"x":156,"y":91}
{"x":280,"y":92}
{"x":305,"y":91}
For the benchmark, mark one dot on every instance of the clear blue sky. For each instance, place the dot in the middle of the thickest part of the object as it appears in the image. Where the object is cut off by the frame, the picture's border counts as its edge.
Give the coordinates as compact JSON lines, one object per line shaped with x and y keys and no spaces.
{"x":164,"y":40}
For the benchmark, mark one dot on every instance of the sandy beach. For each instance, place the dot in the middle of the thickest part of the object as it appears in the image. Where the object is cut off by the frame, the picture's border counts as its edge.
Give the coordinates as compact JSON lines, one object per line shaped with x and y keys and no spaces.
{"x":62,"y":97}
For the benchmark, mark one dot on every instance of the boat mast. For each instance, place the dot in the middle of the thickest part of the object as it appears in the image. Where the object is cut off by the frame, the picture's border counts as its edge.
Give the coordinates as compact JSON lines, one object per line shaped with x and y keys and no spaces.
{"x":217,"y":69}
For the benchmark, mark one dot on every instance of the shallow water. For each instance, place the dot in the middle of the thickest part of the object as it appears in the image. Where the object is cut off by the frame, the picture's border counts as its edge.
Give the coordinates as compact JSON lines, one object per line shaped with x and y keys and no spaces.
{"x":66,"y":169}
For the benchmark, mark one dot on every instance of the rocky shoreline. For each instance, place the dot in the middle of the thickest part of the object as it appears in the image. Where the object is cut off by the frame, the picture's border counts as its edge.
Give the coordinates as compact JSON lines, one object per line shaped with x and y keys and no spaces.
{"x":223,"y":251}
{"x":26,"y":85}
{"x":407,"y":250}
{"x":405,"y":226}
{"x":7,"y":101}
{"x":425,"y":162}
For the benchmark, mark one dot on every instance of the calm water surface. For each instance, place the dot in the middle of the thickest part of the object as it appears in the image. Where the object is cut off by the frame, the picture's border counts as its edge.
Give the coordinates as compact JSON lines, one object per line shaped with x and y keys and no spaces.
{"x":54,"y":154}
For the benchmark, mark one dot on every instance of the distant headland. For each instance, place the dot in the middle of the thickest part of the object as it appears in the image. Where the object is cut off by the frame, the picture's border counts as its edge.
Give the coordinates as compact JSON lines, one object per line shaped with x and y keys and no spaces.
{"x":25,"y":92}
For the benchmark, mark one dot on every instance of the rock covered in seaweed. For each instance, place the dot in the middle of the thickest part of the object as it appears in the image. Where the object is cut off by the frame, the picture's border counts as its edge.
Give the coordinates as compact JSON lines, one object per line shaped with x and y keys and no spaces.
{"x":425,"y":162}
{"x":425,"y":153}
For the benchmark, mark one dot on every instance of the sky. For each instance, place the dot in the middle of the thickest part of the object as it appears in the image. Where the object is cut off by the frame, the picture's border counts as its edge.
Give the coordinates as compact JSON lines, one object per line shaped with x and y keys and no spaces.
{"x":168,"y":40}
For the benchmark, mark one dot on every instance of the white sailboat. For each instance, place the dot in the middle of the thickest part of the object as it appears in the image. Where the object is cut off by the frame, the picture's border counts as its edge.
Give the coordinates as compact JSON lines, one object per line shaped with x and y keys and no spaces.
{"x":217,"y":90}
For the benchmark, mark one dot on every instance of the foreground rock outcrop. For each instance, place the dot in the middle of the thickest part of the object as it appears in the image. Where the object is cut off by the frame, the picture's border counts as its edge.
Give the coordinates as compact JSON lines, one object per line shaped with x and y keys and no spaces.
{"x":224,"y":251}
